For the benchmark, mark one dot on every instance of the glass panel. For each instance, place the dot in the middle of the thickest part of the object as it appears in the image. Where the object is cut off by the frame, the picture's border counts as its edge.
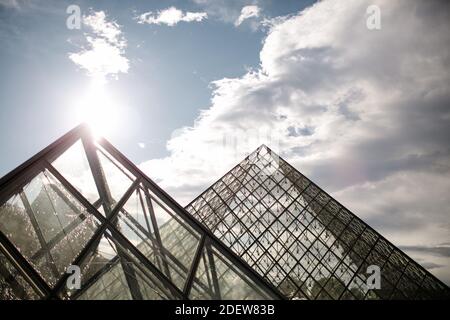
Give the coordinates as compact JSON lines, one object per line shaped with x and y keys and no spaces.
{"x":117,"y":176}
{"x":333,"y":287}
{"x":306,"y":244}
{"x":291,"y":288}
{"x":112,"y":285}
{"x":217,"y":278}
{"x":357,"y":287}
{"x":56,"y":225}
{"x":74,"y":166}
{"x":12,"y":285}
{"x":112,"y":272}
{"x":167,"y":242}
{"x":282,"y":224}
{"x":16,"y":225}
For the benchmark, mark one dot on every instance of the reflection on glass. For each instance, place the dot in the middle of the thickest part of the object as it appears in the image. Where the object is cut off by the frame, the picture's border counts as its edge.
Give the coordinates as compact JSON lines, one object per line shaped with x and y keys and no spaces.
{"x":168,"y":242}
{"x":217,"y":278}
{"x":299,"y":238}
{"x":47,"y":225}
{"x":74,"y":167}
{"x":292,"y":233}
{"x":118,"y":178}
{"x":111,"y":272}
{"x":12,"y":285}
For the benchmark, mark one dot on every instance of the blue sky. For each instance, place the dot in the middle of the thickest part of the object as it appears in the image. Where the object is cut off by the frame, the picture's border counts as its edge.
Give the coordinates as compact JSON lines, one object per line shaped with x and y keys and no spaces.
{"x":191,"y":87}
{"x":170,"y":69}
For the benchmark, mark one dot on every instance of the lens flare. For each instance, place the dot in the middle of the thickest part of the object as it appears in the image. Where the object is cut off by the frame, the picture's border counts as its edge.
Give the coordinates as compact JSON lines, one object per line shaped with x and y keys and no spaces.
{"x":98,"y":109}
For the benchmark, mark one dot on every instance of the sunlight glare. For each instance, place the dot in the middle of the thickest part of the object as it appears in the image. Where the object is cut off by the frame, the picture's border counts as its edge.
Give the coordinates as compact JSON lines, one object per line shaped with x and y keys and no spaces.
{"x":98,"y":110}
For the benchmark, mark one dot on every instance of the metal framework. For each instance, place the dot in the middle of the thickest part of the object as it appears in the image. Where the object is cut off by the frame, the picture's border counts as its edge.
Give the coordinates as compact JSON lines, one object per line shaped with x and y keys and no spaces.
{"x":303,"y":241}
{"x":81,"y":202}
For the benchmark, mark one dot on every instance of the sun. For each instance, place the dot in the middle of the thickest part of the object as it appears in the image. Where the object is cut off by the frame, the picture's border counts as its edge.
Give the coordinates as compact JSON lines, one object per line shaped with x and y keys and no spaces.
{"x":98,"y":110}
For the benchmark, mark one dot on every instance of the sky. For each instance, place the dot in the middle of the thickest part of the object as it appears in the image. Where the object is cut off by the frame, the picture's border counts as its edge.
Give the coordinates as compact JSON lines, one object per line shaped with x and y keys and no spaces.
{"x":186,"y":89}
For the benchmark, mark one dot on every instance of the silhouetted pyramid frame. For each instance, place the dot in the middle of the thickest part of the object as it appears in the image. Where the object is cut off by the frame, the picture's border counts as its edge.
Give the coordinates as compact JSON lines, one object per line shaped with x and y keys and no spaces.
{"x":30,"y":273}
{"x":301,"y":239}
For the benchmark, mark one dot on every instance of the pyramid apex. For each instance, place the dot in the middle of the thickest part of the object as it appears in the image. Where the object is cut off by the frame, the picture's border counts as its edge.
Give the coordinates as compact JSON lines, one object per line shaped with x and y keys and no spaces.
{"x":259,"y":149}
{"x":265,"y":148}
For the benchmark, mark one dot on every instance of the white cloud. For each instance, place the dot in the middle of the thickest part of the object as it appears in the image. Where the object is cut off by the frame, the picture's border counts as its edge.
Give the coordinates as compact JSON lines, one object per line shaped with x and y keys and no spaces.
{"x":108,"y":30}
{"x":247,"y":12}
{"x":363,"y":113}
{"x":223,"y":10}
{"x":104,"y":54}
{"x":171,"y":16}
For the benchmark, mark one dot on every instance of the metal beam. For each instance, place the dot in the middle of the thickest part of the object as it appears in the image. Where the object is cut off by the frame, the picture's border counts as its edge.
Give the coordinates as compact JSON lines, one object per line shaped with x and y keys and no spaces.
{"x":50,"y":262}
{"x":11,"y":281}
{"x":271,"y":290}
{"x":90,"y":245}
{"x":22,"y":264}
{"x":194,"y":266}
{"x":156,"y":231}
{"x":212,"y":268}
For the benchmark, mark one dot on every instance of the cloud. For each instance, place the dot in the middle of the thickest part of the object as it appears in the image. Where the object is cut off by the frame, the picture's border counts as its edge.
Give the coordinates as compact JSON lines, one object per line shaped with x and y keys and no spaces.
{"x":14,"y":4}
{"x":431,"y":265}
{"x":247,"y":12}
{"x":440,"y":250}
{"x":171,"y":16}
{"x":364,"y":113}
{"x":109,"y":30}
{"x":434,"y":258}
{"x":223,"y":10}
{"x":104,"y":53}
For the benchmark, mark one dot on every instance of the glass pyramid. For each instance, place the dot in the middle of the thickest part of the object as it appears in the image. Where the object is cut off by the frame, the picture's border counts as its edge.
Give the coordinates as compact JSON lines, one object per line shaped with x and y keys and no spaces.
{"x":80,"y":202}
{"x":302,"y":240}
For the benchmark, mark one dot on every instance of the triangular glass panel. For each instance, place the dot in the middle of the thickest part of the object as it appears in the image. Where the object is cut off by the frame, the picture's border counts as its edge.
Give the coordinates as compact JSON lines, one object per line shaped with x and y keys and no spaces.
{"x":13,"y":285}
{"x":74,"y":166}
{"x":298,"y":230}
{"x":217,"y":278}
{"x":165,"y":239}
{"x":112,"y":272}
{"x":79,"y":202}
{"x":93,"y":207}
{"x":47,"y":225}
{"x":118,"y":178}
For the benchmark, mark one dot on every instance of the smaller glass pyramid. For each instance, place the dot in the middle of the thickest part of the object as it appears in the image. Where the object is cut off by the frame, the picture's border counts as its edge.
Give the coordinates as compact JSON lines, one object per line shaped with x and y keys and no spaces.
{"x":303,"y":241}
{"x":80,"y":202}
